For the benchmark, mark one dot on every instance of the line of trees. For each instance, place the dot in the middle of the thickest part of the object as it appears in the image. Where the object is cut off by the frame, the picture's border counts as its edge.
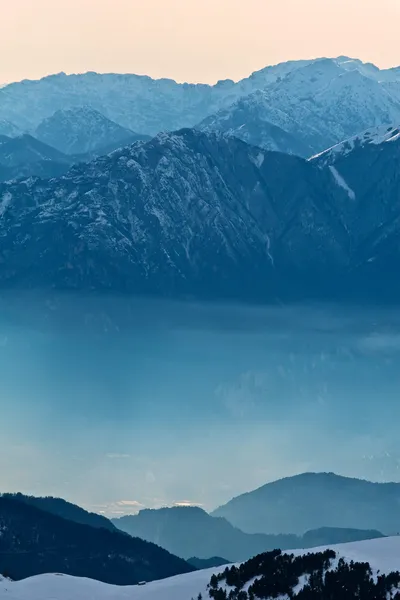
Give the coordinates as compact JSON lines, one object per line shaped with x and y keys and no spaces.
{"x":313,"y":576}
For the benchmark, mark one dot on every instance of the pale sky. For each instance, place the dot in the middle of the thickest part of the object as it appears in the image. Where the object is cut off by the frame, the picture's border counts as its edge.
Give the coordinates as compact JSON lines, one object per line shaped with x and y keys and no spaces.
{"x":189,"y":40}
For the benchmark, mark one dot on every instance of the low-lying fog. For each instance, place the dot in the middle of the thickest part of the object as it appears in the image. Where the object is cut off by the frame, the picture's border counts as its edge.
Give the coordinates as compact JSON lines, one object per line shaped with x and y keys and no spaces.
{"x":117,"y":404}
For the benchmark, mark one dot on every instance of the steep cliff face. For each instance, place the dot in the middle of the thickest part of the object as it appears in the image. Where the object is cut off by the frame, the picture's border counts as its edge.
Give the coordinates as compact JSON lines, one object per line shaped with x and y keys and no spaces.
{"x":185,"y":213}
{"x":202,"y":215}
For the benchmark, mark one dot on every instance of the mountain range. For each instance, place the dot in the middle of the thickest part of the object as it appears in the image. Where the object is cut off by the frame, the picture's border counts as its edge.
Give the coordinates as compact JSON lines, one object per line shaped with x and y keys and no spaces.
{"x":67,"y":137}
{"x":190,"y":531}
{"x":284,"y":186}
{"x":314,"y":500}
{"x":48,"y":534}
{"x":293,"y":106}
{"x":34,"y":541}
{"x":61,"y":508}
{"x":320,"y":103}
{"x":194,"y":214}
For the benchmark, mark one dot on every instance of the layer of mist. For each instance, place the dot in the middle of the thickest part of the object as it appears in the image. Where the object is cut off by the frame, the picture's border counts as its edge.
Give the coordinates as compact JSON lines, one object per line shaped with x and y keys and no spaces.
{"x":117,"y":404}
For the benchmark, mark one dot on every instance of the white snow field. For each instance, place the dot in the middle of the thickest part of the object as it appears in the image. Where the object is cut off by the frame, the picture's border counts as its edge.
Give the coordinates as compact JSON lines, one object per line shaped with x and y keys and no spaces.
{"x":383,"y":555}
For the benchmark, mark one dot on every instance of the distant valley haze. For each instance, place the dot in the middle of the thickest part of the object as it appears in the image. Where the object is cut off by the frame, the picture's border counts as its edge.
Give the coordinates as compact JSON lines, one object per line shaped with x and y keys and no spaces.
{"x":120,"y":404}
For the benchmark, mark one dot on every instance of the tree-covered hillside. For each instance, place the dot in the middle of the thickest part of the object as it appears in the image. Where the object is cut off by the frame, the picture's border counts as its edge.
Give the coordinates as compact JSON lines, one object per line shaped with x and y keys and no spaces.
{"x":314,"y":576}
{"x":33,"y":541}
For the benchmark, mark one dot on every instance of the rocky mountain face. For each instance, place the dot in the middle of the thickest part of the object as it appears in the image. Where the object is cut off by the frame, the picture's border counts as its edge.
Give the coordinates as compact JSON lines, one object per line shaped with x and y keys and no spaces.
{"x":190,"y":531}
{"x":46,"y":169}
{"x":184,"y":214}
{"x":254,"y":120}
{"x":345,"y":100}
{"x":315,"y":500}
{"x":34,"y":541}
{"x":206,"y":216}
{"x":345,"y":95}
{"x":83,"y":130}
{"x":371,"y":176}
{"x":320,"y":104}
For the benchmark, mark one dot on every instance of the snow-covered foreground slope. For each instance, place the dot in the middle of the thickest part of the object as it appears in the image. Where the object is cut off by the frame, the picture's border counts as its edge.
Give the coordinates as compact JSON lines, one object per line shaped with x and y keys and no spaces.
{"x":382,"y":554}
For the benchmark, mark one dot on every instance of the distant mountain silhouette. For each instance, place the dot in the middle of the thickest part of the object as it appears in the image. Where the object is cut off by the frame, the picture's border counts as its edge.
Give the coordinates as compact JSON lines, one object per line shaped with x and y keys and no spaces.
{"x":190,"y":531}
{"x":26,"y":156}
{"x":207,"y":563}
{"x":67,"y":510}
{"x":34,"y":541}
{"x":325,"y":100}
{"x":85,"y":131}
{"x":313,"y":501}
{"x":27,"y":149}
{"x":337,"y":535}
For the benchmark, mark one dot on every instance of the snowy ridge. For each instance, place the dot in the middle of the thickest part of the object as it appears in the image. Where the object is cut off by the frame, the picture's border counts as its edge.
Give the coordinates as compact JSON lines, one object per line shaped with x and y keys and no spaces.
{"x":256,"y":121}
{"x":383,"y":555}
{"x":373,"y":136}
{"x":320,"y":103}
{"x":352,"y":94}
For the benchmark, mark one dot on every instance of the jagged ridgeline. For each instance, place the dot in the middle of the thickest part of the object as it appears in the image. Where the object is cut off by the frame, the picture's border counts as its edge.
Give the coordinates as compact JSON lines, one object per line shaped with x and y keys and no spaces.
{"x":313,"y":576}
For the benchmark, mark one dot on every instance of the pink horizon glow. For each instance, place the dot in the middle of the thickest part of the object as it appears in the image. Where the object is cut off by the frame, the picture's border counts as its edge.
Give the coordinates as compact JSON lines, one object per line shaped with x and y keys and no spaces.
{"x":190,"y":40}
